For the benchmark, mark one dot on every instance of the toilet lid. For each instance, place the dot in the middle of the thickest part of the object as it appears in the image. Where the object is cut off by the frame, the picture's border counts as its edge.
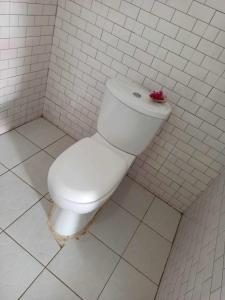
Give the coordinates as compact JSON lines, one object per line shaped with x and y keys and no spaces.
{"x":86,"y":172}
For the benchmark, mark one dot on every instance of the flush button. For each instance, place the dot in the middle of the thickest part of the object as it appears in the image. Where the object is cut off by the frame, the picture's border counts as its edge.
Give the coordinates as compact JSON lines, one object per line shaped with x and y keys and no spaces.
{"x":136,"y":94}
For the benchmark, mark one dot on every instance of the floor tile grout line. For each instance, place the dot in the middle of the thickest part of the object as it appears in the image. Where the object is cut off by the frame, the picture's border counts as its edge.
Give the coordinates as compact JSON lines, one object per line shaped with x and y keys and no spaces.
{"x":139,"y":220}
{"x":4,"y":172}
{"x":114,"y":269}
{"x":149,"y":207}
{"x":43,"y":197}
{"x":44,"y":149}
{"x":32,"y":282}
{"x":49,"y":270}
{"x":124,"y":208}
{"x":21,"y":162}
{"x":143,"y":222}
{"x":102,"y":242}
{"x":154,"y":194}
{"x":143,"y":274}
{"x":21,"y":246}
{"x":172,"y":244}
{"x":42,"y":117}
{"x":36,"y":145}
{"x":46,"y":268}
{"x":25,"y":122}
{"x":29,"y":157}
{"x":74,"y":292}
{"x":27,"y":251}
{"x":166,"y":239}
{"x":121,"y":257}
{"x":33,"y":141}
{"x":142,"y":219}
{"x":41,"y":149}
{"x":11,"y":169}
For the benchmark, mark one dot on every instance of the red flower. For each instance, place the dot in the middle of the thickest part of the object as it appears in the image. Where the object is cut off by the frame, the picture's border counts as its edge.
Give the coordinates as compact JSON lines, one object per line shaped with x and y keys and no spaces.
{"x":157,"y":96}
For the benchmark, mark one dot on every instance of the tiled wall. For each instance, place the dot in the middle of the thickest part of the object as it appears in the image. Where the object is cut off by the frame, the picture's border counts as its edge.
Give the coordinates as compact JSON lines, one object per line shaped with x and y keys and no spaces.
{"x":26,"y":30}
{"x":195,"y":269}
{"x":174,"y":44}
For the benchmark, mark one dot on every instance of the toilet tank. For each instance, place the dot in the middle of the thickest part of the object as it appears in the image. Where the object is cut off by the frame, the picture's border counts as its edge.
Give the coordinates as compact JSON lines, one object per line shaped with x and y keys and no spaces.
{"x":128,"y":118}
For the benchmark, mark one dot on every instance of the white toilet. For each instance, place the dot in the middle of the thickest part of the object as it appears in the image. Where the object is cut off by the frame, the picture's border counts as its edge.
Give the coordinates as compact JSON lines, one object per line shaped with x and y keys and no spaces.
{"x":84,"y":176}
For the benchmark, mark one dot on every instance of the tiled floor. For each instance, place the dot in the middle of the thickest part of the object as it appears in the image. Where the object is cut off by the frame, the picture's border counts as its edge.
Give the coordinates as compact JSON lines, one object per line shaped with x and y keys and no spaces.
{"x":121,"y":258}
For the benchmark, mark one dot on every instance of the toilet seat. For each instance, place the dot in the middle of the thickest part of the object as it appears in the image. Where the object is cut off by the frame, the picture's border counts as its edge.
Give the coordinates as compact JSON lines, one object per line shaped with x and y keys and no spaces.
{"x":86,"y":172}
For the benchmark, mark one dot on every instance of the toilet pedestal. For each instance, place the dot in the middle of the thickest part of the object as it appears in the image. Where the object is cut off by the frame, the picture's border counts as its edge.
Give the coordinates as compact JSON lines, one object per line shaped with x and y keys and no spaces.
{"x":67,"y":223}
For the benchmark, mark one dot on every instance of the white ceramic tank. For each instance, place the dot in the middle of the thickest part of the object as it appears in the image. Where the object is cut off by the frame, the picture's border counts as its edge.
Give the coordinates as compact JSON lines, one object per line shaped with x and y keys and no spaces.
{"x":128,"y":118}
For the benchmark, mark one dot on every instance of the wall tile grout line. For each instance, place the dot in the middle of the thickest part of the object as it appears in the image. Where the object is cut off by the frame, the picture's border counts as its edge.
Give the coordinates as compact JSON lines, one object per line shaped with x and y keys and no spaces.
{"x":166,"y":190}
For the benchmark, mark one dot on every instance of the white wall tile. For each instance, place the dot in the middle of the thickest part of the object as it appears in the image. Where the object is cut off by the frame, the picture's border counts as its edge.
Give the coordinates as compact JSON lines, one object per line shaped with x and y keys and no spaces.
{"x":116,"y":17}
{"x":198,"y":252}
{"x":201,"y":11}
{"x":167,"y":28}
{"x":129,"y":9}
{"x":172,"y":45}
{"x":148,"y":19}
{"x":217,"y":20}
{"x":152,"y":35}
{"x":180,"y":5}
{"x":177,"y":45}
{"x":183,"y":20}
{"x":209,"y":48}
{"x":24,"y":62}
{"x":188,"y":38}
{"x":162,"y":11}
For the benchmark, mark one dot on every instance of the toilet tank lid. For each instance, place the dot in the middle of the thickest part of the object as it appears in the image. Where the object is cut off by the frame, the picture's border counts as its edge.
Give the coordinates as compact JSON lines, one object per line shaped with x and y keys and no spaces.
{"x":137,"y":98}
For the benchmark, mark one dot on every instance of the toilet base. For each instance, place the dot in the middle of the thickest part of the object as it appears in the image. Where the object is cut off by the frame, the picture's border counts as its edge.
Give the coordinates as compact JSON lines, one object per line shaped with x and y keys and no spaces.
{"x":67,"y":223}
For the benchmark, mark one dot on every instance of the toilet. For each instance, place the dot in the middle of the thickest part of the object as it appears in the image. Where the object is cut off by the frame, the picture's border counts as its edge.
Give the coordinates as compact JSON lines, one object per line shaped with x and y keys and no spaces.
{"x":85,"y":175}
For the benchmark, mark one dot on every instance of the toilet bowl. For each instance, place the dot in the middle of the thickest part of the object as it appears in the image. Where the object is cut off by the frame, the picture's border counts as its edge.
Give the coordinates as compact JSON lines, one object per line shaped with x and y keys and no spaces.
{"x":82,"y":179}
{"x":85,"y":175}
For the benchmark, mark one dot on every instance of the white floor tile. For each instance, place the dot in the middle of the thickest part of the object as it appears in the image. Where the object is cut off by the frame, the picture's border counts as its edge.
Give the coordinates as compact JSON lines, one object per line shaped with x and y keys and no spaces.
{"x":14,"y":149}
{"x":18,"y":269}
{"x":127,"y":283}
{"x":85,"y":266}
{"x":32,"y":232}
{"x":148,"y":252}
{"x":114,"y":226}
{"x":15,"y":198}
{"x":61,"y":145}
{"x":41,"y":132}
{"x":35,"y":171}
{"x":133,"y":197}
{"x":163,"y":218}
{"x":48,"y":287}
{"x":2,"y":169}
